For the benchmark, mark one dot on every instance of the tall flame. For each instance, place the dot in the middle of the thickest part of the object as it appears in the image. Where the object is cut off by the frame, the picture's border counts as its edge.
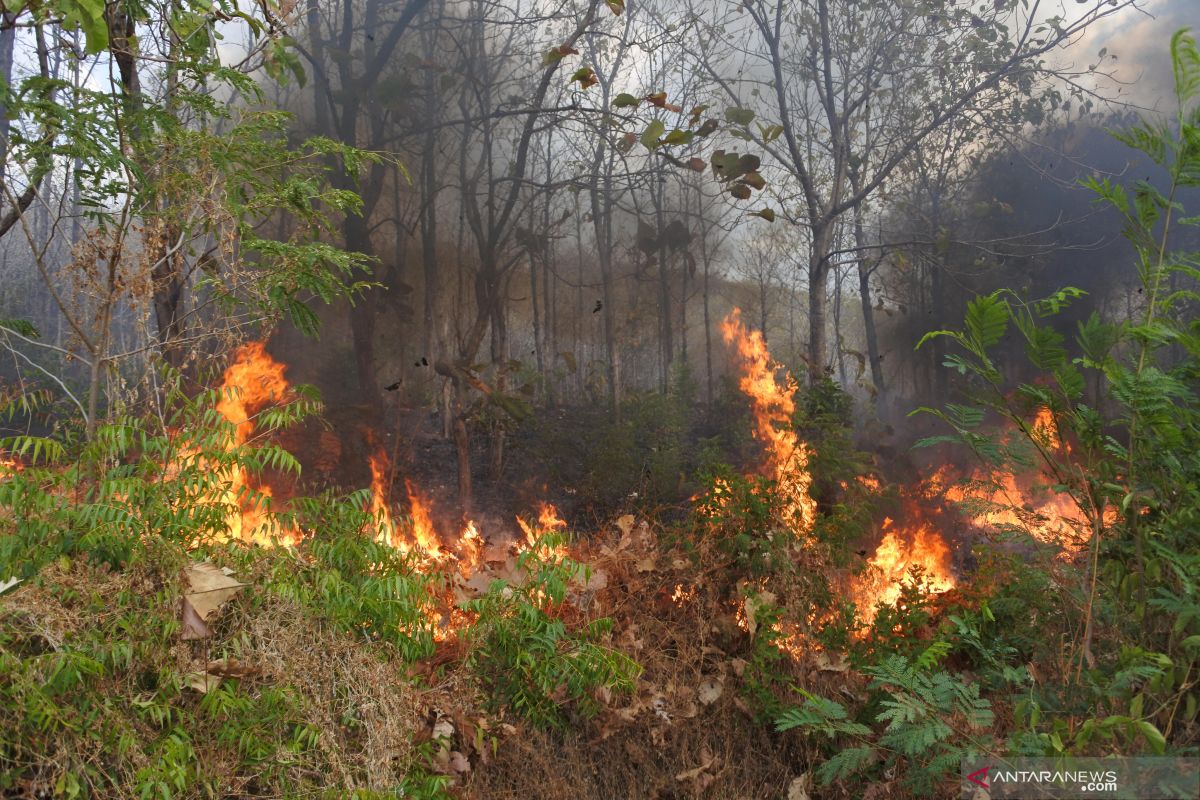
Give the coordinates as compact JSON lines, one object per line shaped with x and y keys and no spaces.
{"x":422,"y":523}
{"x":253,"y":381}
{"x":773,"y":405}
{"x":380,"y":508}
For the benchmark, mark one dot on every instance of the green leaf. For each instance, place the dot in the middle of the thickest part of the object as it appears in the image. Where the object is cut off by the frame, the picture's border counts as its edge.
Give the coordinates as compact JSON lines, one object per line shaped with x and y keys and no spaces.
{"x":23,"y":327}
{"x":987,"y":320}
{"x":678,"y":136}
{"x":625,"y":100}
{"x":739,"y":116}
{"x":650,"y":137}
{"x":88,"y":16}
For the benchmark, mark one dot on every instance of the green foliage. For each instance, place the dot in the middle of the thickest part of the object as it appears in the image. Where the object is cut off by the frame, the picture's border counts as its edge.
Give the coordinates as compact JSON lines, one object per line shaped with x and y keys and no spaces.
{"x":102,"y":530}
{"x":924,"y":717}
{"x":1122,"y":396}
{"x":527,"y":656}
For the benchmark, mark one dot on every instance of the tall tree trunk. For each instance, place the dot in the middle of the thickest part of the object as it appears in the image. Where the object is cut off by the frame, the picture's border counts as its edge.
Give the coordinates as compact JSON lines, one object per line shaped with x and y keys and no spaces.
{"x":708,"y":349}
{"x":8,"y":38}
{"x":429,"y":230}
{"x":839,"y":344}
{"x":499,"y":327}
{"x":602,"y":225}
{"x":666,"y":338}
{"x":872,"y":335}
{"x":685,"y":273}
{"x":362,"y":320}
{"x":818,"y":301}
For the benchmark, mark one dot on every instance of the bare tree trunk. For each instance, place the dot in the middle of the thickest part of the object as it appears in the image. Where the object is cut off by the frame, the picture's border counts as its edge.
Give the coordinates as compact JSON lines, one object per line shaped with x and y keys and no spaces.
{"x":362,"y":321}
{"x":683,"y":302}
{"x":864,"y":294}
{"x":837,"y":327}
{"x":708,"y":349}
{"x":8,"y":38}
{"x":818,"y":301}
{"x":666,"y":340}
{"x":429,"y":229}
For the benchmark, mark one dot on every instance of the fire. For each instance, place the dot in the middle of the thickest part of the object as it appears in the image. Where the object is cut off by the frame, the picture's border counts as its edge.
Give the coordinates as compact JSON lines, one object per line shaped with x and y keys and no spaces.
{"x":424,"y":537}
{"x":422,"y":523}
{"x":1048,"y":516}
{"x":773,"y":406}
{"x":901,"y":549}
{"x":548,"y":521}
{"x":9,"y":466}
{"x":380,"y":509}
{"x":252,"y":382}
{"x":1025,"y":502}
{"x":470,"y":550}
{"x":1046,"y":428}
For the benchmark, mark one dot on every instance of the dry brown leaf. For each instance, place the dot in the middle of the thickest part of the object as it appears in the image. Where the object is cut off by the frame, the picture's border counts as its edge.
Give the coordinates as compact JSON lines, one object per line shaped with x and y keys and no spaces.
{"x":201,"y":681}
{"x":478,"y":583}
{"x":738,"y":665}
{"x":798,"y":788}
{"x":443,"y":728}
{"x":628,"y":714}
{"x":752,"y":603}
{"x":710,"y":691}
{"x":193,"y":626}
{"x":597,"y":581}
{"x":625,"y":524}
{"x":209,"y":587}
{"x":458,"y":762}
{"x":707,"y":759}
{"x":826,"y":664}
{"x":232,"y":668}
{"x":646,"y":564}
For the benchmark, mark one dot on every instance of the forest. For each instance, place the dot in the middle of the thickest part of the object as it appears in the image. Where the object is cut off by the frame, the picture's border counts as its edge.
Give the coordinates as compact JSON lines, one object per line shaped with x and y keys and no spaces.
{"x":456,"y":399}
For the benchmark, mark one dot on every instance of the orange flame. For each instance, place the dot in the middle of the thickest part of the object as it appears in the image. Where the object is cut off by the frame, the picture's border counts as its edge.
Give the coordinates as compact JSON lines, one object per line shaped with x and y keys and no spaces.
{"x":787,"y":459}
{"x":1024,"y":502}
{"x":422,"y":523}
{"x":902,"y":548}
{"x":1048,"y":516}
{"x":9,"y":466}
{"x":773,"y":406}
{"x":548,"y":521}
{"x":253,"y":381}
{"x":470,"y":550}
{"x":380,"y":509}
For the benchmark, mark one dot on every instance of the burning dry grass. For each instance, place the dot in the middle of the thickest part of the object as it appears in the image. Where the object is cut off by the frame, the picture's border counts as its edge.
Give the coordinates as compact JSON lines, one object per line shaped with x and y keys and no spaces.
{"x":689,"y":728}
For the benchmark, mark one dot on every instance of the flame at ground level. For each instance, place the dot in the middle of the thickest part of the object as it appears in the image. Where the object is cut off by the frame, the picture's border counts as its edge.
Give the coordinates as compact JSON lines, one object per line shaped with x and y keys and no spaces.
{"x":903,"y":548}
